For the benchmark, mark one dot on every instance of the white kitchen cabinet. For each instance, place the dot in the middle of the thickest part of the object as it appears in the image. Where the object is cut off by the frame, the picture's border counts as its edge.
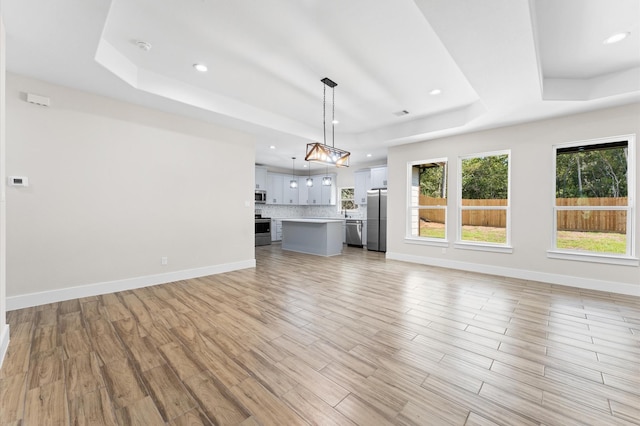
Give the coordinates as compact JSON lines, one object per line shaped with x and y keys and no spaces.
{"x":320,"y":194}
{"x":303,"y":191}
{"x":274,"y":188}
{"x":280,"y":192}
{"x":261,"y":177}
{"x":362,"y":185}
{"x":379,"y":177}
{"x":276,"y":229}
{"x":289,"y":195}
{"x":364,"y":232}
{"x":344,"y":232}
{"x":313,"y":197}
{"x":328,"y":195}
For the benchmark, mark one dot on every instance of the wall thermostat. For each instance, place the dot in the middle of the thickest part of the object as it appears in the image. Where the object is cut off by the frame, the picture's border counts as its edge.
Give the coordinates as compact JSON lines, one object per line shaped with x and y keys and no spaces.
{"x":18,"y":181}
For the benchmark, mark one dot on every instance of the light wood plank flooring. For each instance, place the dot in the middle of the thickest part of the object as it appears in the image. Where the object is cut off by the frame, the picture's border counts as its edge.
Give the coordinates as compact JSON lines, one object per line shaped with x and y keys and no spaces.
{"x":353,"y":339}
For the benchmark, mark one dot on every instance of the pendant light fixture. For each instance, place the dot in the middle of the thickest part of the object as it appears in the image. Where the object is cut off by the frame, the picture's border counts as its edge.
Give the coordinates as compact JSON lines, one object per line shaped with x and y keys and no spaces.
{"x":309,"y":179}
{"x":321,"y":152}
{"x":293,"y":183}
{"x":326,"y":180}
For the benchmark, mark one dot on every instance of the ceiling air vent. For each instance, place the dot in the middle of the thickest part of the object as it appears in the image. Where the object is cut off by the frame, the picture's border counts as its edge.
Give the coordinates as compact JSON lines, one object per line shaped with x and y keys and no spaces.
{"x":401,"y":113}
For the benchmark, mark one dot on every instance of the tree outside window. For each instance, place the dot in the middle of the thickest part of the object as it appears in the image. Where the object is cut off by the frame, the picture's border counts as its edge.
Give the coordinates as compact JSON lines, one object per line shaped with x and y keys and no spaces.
{"x":428,"y":199}
{"x":593,"y":210}
{"x":347,"y":200}
{"x":484,"y":198}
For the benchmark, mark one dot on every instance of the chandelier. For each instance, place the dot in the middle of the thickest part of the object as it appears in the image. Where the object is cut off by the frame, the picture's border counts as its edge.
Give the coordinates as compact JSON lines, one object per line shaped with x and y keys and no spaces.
{"x":321,"y":152}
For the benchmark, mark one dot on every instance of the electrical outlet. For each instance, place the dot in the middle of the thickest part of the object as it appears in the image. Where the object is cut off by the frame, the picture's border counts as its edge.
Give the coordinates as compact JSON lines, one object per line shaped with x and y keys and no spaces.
{"x":444,"y":250}
{"x":164,"y":260}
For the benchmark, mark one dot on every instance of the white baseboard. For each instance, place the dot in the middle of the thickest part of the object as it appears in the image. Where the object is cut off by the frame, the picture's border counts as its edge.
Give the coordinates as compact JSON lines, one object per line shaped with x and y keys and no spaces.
{"x":568,"y":280}
{"x":51,"y":296}
{"x":4,"y":341}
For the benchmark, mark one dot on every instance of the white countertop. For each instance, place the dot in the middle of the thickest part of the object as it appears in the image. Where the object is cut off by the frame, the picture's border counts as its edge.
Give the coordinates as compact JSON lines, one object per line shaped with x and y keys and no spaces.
{"x":313,"y":220}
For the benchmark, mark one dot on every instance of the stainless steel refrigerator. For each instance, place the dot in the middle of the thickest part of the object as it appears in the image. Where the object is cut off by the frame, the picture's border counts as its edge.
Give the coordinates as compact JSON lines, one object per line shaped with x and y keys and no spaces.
{"x":377,"y":219}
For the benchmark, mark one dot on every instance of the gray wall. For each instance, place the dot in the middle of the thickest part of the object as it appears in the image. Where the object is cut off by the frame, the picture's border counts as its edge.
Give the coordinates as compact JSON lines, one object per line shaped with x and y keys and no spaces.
{"x":113,"y":188}
{"x":531,"y":200}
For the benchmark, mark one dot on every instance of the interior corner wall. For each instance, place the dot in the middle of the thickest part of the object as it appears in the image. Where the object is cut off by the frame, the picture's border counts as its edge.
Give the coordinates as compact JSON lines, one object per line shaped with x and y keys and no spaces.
{"x":4,"y":328}
{"x":532,"y":182}
{"x":113,"y":189}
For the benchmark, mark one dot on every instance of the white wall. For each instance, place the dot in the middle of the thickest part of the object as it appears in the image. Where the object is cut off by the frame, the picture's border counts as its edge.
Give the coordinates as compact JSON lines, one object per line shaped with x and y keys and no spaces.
{"x":531,"y":200}
{"x":113,"y":187}
{"x":4,"y":328}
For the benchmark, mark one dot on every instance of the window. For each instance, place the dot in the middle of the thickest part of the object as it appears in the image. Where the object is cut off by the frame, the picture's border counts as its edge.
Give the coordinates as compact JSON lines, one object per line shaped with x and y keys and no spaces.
{"x":483,"y":200}
{"x":593,"y":206}
{"x":427,"y":200}
{"x":347,"y":199}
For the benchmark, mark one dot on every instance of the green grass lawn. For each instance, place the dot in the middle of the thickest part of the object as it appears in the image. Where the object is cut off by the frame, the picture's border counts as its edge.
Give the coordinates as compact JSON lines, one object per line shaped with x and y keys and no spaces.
{"x":485,"y":234}
{"x":469,"y":233}
{"x":596,"y":242}
{"x":432,"y":232}
{"x":601,"y":242}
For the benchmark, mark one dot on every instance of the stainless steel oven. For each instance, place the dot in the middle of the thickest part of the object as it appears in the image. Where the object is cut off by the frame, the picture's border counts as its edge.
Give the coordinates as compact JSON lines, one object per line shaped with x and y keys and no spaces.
{"x":263,"y":231}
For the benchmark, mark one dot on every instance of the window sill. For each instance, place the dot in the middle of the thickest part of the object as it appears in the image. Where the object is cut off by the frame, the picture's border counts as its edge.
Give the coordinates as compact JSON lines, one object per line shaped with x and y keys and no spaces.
{"x":423,"y":241}
{"x":594,"y":258}
{"x":483,"y":247}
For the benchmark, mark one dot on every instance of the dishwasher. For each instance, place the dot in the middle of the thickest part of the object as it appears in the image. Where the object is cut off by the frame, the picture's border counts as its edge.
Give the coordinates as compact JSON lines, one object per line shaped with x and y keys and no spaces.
{"x":354,"y":232}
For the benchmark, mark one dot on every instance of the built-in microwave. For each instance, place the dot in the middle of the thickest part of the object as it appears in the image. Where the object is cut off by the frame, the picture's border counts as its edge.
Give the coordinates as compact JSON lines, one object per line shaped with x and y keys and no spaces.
{"x":261,"y":196}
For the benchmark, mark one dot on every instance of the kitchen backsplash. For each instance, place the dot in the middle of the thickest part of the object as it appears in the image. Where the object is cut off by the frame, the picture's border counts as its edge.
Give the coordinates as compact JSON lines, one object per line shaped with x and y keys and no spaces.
{"x":279,"y":211}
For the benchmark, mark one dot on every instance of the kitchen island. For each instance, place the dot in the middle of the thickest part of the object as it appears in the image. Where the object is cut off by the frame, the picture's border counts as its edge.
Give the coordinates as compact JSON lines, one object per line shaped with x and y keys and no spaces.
{"x":322,"y":237}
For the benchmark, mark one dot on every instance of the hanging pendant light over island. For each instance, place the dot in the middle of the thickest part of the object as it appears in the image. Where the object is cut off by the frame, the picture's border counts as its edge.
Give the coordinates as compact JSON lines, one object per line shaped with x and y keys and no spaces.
{"x":293,"y":183}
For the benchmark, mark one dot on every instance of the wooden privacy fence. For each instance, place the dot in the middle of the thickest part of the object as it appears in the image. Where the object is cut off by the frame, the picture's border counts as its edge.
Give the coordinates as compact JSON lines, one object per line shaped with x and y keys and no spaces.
{"x":592,"y":220}
{"x":602,"y":221}
{"x":494,"y":218}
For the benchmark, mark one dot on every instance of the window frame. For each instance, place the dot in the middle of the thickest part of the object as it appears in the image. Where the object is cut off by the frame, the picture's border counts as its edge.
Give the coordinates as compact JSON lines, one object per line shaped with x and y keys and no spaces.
{"x":505,"y":247}
{"x":629,"y":258}
{"x":356,"y":206}
{"x":431,"y":241}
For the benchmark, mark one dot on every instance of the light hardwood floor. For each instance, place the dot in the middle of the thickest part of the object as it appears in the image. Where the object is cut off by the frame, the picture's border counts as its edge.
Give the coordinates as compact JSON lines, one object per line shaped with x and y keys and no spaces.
{"x":353,"y":339}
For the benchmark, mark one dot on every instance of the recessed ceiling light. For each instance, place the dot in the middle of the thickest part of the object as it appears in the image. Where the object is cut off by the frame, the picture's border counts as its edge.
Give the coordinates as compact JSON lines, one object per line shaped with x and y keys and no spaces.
{"x":368,"y":155}
{"x":435,"y":92}
{"x":200,"y":67}
{"x":617,"y":37}
{"x":272,"y":147}
{"x":335,"y":122}
{"x":143,"y":45}
{"x":304,"y":165}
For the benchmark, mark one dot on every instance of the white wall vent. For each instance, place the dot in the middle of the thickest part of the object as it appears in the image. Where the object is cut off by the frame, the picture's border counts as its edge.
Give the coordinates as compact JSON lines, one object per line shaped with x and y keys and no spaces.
{"x":38,"y":100}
